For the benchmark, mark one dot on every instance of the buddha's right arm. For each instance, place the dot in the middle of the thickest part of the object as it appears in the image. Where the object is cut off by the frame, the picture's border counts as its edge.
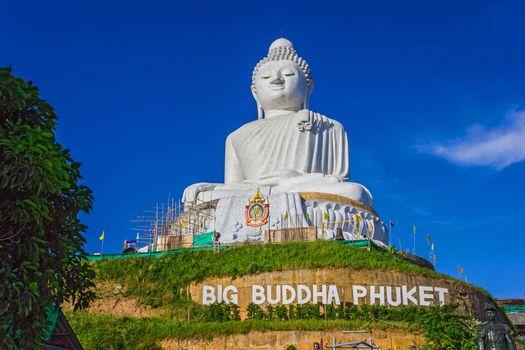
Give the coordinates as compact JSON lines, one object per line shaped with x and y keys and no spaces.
{"x":191,"y":193}
{"x":232,"y":169}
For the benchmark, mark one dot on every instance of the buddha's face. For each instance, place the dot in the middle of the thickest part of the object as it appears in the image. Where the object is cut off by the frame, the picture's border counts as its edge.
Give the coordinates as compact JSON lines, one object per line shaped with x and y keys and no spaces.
{"x":281,"y":85}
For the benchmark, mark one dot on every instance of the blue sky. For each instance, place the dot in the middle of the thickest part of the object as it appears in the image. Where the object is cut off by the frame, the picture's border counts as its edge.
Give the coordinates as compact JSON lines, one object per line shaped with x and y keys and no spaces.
{"x":432,"y":95}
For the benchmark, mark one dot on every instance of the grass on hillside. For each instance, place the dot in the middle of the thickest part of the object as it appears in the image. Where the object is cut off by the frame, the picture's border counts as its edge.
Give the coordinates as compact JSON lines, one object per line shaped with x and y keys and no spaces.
{"x":104,"y":331}
{"x":158,"y":281}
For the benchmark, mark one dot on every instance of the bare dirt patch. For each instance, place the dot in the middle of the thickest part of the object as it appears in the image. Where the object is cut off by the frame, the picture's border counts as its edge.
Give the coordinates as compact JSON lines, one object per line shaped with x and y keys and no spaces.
{"x":111,"y":299}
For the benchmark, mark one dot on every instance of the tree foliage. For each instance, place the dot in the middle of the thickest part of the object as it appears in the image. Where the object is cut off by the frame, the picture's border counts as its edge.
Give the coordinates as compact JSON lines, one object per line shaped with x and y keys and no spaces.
{"x":42,"y":260}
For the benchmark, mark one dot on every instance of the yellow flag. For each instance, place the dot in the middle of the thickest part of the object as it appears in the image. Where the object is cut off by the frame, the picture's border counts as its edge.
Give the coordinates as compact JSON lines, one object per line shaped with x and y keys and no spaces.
{"x":414,"y":229}
{"x":460,"y":269}
{"x":371,"y":228}
{"x":358,"y":217}
{"x":184,"y":224}
{"x":285,"y":216}
{"x":326,"y":216}
{"x":435,"y":259}
{"x":102,"y":236}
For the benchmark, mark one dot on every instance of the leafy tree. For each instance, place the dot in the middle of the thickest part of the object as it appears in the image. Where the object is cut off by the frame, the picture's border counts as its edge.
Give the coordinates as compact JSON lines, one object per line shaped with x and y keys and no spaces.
{"x":42,"y":261}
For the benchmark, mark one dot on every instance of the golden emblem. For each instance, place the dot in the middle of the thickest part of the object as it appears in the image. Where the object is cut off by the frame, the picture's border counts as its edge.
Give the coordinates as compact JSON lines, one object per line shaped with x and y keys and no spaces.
{"x":256,"y":213}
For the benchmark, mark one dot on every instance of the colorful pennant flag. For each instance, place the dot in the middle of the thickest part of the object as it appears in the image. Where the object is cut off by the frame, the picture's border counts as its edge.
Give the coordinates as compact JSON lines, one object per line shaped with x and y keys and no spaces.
{"x":460,"y":269}
{"x":432,"y":247}
{"x":326,"y":216}
{"x":102,"y":236}
{"x":428,"y":237}
{"x":414,"y":228}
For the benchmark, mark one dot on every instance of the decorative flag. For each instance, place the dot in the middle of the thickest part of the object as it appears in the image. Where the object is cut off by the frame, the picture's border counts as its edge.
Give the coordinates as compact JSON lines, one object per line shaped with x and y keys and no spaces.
{"x":392,"y":225}
{"x":460,"y":269}
{"x":435,"y":259}
{"x":137,"y":238}
{"x":326,"y":216}
{"x":184,"y":224}
{"x":428,"y":237}
{"x":102,"y":236}
{"x":432,"y":247}
{"x":414,"y":228}
{"x":358,"y":217}
{"x":285,"y":215}
{"x":307,"y":217}
{"x":371,"y":229}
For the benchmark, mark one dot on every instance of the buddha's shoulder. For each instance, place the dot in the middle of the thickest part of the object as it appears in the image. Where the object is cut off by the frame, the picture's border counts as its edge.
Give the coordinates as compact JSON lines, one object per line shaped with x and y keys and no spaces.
{"x":325,"y":119}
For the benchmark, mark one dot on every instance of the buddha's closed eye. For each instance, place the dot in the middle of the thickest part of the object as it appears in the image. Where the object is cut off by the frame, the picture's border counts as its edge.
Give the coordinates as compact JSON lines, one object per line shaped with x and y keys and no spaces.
{"x":265,"y":75}
{"x":288,"y":72}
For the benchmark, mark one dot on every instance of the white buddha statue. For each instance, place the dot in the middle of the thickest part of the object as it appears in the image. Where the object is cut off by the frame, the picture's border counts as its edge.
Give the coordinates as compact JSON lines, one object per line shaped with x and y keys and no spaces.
{"x":288,"y":148}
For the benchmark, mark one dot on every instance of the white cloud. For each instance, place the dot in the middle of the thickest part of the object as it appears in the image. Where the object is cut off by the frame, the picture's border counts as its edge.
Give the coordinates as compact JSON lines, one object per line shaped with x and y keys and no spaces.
{"x":497,"y":148}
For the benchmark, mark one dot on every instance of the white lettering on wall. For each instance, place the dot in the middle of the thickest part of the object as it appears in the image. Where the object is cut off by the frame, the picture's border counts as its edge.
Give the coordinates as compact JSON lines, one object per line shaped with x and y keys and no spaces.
{"x":425,"y":297}
{"x":208,"y":295}
{"x":326,"y":294}
{"x":377,"y":296}
{"x":288,"y":294}
{"x":333,"y":295}
{"x":389,"y":298}
{"x":408,"y":295}
{"x":358,"y":292}
{"x":258,"y":296}
{"x":441,"y":294}
{"x":303,"y":294}
{"x":232,"y":298}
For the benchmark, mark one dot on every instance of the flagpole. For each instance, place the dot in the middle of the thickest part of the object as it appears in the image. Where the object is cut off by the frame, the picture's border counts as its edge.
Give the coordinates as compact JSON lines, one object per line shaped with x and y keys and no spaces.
{"x":414,"y":251}
{"x":101,"y":246}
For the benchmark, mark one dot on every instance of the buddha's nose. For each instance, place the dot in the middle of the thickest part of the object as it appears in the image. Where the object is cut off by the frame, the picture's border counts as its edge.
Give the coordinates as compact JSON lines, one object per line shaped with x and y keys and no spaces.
{"x":277,"y":80}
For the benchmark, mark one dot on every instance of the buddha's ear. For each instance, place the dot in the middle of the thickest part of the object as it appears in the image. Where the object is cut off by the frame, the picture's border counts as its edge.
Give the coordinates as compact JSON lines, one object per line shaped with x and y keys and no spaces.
{"x":308,"y":93}
{"x":260,"y":111}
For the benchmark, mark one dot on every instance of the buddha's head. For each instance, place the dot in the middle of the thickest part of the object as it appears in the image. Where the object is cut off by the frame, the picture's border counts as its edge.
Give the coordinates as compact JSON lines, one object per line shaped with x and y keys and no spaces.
{"x":282,"y":80}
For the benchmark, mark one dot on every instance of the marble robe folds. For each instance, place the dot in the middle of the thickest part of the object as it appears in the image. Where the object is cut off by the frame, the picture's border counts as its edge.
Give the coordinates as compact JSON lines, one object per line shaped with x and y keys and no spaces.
{"x":267,"y":150}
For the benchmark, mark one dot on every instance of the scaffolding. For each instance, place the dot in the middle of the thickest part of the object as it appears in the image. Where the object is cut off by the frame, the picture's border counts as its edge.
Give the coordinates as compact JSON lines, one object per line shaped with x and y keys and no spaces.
{"x":173,"y":224}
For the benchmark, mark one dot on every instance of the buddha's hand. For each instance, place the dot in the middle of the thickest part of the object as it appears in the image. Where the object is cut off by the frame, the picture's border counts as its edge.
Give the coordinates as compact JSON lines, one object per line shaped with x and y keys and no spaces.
{"x":192,"y":192}
{"x":311,"y":121}
{"x":304,"y":122}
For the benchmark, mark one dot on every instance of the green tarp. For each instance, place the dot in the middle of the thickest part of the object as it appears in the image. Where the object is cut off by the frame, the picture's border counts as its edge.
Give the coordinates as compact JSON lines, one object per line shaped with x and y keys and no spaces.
{"x":358,"y":243}
{"x":514,"y":308}
{"x":203,"y":239}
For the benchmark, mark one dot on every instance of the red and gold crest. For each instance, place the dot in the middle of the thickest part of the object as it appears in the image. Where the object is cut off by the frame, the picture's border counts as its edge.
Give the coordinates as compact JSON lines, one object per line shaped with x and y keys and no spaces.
{"x":256,"y":213}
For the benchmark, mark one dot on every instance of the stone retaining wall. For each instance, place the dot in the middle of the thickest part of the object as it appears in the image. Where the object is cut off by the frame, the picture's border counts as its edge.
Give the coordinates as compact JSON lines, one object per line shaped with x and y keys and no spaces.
{"x":470,"y":300}
{"x":302,"y":340}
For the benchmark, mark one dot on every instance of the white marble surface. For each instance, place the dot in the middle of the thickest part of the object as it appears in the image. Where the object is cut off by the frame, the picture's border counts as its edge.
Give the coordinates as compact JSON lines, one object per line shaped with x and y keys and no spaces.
{"x":290,"y":210}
